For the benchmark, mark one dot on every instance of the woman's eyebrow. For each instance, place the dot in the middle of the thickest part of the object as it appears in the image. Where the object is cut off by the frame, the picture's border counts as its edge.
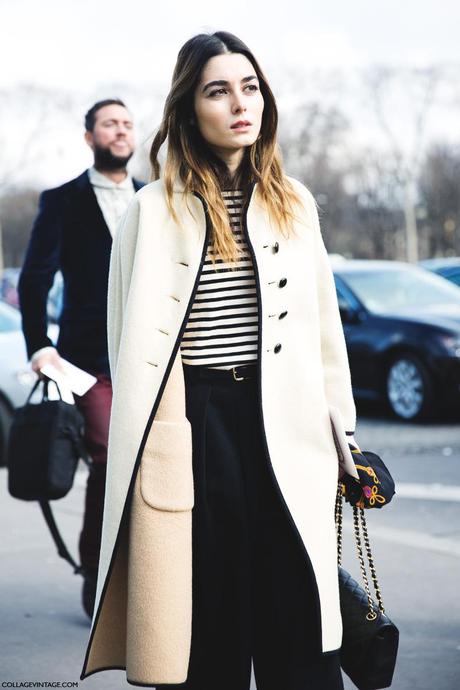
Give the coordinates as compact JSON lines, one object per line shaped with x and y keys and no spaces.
{"x":223,"y":82}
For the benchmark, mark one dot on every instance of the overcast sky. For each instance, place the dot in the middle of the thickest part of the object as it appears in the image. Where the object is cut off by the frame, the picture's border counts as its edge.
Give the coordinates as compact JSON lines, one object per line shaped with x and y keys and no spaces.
{"x":76,"y":43}
{"x":100,"y":48}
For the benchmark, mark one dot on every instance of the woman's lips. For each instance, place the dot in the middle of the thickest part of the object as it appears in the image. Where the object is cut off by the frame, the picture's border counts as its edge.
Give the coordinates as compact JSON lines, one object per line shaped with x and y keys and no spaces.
{"x":240,"y":126}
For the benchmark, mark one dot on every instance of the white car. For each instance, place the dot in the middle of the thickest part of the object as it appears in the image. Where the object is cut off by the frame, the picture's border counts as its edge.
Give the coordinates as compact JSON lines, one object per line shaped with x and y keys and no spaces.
{"x":16,"y":376}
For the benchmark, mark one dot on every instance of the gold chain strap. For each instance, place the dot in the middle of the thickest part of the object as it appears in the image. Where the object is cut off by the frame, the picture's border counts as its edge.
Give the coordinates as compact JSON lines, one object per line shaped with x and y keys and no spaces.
{"x":338,"y":522}
{"x":359,"y":524}
{"x":370,"y":558}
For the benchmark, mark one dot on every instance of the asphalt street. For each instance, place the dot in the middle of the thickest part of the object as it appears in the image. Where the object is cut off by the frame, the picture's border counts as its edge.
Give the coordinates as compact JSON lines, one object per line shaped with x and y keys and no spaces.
{"x":416,"y":544}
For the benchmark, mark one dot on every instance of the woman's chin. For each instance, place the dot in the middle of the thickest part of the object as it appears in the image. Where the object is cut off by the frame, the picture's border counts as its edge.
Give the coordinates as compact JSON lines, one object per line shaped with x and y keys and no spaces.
{"x":244,"y":139}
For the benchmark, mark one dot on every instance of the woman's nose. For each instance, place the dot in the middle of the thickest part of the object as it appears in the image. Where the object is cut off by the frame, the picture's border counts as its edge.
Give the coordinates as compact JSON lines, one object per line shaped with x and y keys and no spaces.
{"x":238,"y":105}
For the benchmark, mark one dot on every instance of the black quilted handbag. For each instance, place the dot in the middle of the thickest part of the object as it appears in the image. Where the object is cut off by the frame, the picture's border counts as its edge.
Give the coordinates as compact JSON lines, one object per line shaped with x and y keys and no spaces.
{"x":370,"y":639}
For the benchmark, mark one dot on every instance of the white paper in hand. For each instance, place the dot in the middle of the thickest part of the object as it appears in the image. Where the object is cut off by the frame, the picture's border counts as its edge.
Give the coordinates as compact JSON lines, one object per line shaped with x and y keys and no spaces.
{"x":72,"y":378}
{"x":60,"y":379}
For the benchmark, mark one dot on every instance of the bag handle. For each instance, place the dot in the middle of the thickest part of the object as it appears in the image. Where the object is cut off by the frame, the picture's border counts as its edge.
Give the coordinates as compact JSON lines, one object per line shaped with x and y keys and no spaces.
{"x":360,"y":527}
{"x":34,"y":388}
{"x":45,"y":380}
{"x":61,"y":547}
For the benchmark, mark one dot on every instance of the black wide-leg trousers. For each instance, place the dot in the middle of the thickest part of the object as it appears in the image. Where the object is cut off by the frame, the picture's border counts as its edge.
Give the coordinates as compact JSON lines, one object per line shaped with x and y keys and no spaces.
{"x":252,"y":585}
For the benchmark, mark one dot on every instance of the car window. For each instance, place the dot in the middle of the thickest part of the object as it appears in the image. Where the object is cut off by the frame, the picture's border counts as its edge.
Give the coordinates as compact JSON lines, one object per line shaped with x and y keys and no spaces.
{"x":384,"y":291}
{"x":10,"y":319}
{"x":345,"y":297}
{"x":344,"y":303}
{"x":454,"y":277}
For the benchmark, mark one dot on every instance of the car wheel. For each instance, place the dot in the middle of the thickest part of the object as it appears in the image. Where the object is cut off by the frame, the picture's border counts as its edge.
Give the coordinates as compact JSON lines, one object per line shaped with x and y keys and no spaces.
{"x":409,"y":388}
{"x":5,"y":423}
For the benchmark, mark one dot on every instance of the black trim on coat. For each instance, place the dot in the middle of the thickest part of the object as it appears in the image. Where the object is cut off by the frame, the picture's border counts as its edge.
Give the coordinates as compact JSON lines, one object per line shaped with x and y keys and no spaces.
{"x":150,"y":422}
{"x":162,"y":386}
{"x":265,"y":443}
{"x":332,"y":652}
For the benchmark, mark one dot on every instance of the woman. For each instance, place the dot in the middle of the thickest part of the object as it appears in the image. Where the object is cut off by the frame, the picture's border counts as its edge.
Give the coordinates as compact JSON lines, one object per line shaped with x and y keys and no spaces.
{"x":228,"y":363}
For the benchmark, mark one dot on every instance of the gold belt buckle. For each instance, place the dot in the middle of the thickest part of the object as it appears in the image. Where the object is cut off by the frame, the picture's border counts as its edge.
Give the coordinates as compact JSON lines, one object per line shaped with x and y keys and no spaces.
{"x":237,"y":378}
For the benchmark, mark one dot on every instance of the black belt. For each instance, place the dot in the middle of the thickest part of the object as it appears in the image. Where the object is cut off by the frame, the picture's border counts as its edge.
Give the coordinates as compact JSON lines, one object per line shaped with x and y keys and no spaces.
{"x":240,"y":373}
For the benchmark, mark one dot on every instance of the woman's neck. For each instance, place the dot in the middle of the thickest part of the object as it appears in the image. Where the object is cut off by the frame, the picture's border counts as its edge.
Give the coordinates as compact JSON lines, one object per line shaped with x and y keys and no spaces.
{"x":231,"y":179}
{"x":231,"y":158}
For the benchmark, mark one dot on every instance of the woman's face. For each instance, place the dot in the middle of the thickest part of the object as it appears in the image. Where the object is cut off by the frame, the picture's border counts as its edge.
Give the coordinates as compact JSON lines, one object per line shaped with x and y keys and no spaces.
{"x":228,"y":104}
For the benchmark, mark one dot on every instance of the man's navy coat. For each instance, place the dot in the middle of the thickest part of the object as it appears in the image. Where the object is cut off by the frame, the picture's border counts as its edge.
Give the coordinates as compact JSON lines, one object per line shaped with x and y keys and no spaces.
{"x":71,"y":235}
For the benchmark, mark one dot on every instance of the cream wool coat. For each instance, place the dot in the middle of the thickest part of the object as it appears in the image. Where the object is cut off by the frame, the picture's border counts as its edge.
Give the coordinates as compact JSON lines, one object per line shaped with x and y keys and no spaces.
{"x":143,"y":611}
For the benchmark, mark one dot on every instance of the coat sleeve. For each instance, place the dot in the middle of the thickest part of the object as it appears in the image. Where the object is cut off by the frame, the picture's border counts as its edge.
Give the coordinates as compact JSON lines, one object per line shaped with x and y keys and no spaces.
{"x":40,"y":266}
{"x":120,"y":271}
{"x":337,"y":377}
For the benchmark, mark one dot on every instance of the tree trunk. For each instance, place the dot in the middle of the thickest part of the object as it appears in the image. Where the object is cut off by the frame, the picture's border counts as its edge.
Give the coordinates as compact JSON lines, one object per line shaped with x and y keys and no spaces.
{"x":411,"y":222}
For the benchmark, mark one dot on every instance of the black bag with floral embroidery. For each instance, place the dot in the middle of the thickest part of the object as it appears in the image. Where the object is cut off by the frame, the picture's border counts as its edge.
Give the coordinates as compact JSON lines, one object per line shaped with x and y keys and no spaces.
{"x":370,"y":638}
{"x":375,"y":487}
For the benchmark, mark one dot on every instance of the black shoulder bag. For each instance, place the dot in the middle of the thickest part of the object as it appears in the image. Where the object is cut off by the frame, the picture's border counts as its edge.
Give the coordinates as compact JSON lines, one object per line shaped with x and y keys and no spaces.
{"x":370,"y":638}
{"x":44,"y":445}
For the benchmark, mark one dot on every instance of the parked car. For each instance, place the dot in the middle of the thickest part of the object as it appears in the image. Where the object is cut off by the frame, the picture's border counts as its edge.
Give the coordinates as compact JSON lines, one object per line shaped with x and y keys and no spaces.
{"x":448,"y":268}
{"x":8,"y":286}
{"x":402,"y":329}
{"x":9,"y":292}
{"x":16,"y":376}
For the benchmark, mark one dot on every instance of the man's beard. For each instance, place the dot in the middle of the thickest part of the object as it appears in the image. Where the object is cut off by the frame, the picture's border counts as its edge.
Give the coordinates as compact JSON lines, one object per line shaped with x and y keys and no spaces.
{"x":104,"y":159}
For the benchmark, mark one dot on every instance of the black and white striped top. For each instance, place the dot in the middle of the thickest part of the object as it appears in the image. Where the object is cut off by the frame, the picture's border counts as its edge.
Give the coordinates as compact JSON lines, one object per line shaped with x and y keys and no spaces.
{"x":222,"y":329}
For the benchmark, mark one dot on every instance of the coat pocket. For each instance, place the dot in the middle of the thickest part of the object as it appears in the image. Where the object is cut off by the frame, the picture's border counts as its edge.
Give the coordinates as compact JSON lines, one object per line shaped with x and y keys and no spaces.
{"x":166,"y":474}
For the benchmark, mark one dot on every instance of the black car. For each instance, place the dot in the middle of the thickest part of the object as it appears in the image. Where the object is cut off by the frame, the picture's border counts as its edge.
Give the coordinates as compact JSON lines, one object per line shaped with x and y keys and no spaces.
{"x":448,"y":267}
{"x":402,"y":328}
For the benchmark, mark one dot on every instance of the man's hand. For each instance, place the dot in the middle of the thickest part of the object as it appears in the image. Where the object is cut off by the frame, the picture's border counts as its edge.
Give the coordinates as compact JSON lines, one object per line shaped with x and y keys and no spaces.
{"x":47,"y":355}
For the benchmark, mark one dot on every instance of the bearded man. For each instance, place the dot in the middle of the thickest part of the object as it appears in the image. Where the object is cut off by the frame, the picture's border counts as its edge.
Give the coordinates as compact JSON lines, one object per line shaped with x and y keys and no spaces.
{"x":73,"y":233}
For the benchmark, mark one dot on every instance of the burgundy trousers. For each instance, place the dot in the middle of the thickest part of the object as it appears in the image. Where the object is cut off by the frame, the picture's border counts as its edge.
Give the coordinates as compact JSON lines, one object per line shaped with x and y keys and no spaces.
{"x":95,"y":407}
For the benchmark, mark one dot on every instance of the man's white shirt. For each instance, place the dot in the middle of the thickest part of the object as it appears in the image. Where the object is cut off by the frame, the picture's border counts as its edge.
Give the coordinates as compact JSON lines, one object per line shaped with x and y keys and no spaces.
{"x":113,"y":198}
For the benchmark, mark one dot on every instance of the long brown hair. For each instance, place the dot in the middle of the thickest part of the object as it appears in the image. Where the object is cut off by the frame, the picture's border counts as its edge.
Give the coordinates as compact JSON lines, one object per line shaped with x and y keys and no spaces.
{"x":190,"y":158}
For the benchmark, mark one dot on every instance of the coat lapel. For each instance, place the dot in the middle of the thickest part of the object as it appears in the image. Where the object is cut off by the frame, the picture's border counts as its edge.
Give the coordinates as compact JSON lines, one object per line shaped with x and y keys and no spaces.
{"x":87,"y":203}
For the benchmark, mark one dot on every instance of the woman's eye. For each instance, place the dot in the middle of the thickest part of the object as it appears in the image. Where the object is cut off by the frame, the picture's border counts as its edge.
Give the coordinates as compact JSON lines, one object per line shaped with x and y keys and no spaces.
{"x":222,"y":91}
